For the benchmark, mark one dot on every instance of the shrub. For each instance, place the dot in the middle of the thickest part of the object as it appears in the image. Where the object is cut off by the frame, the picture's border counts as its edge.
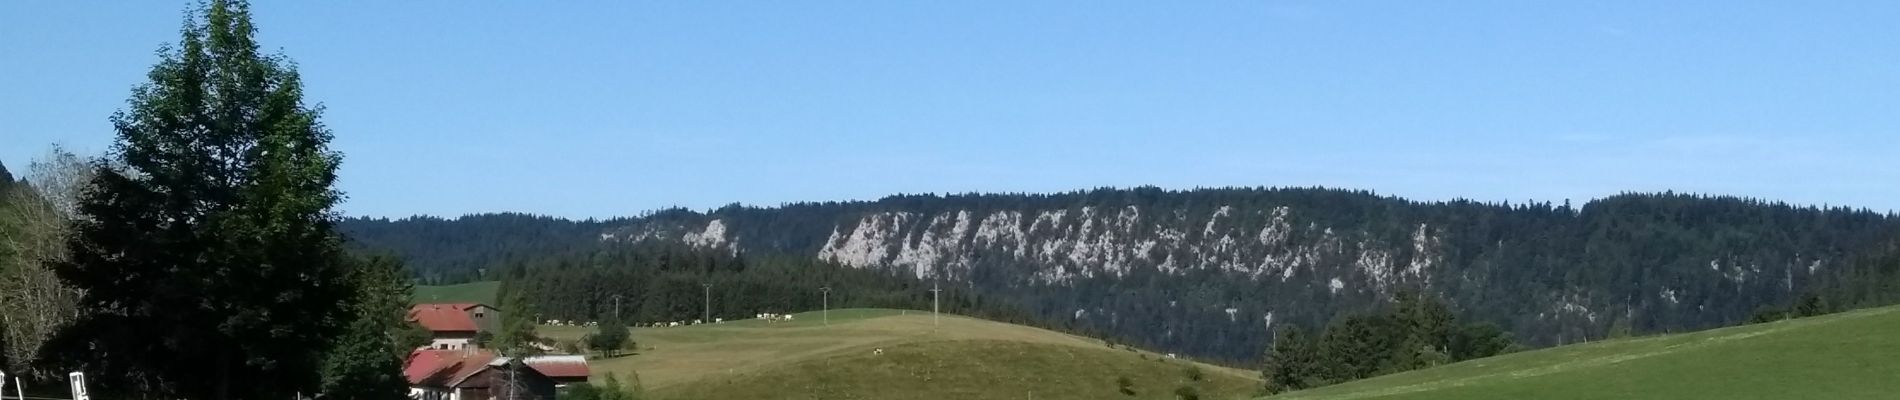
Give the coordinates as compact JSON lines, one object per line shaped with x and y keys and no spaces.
{"x":1125,"y":385}
{"x":1194,"y":373}
{"x":1187,"y":393}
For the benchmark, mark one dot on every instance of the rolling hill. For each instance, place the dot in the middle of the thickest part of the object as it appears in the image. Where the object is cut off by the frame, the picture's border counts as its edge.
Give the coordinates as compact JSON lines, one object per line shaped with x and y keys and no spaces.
{"x":956,"y":358}
{"x":1842,"y":356}
{"x":474,"y":292}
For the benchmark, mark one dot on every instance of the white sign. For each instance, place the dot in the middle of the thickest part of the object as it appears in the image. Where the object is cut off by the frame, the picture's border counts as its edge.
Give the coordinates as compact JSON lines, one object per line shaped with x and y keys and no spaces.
{"x":79,"y":386}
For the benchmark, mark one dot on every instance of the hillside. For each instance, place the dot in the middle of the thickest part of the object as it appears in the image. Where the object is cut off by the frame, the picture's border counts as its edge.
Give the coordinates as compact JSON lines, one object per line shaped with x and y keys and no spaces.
{"x":960,"y":359}
{"x":472,"y":292}
{"x":1210,"y":271}
{"x":1841,"y":356}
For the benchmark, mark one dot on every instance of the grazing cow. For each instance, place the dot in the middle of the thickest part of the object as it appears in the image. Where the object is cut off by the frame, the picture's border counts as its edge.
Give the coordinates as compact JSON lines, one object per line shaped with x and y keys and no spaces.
{"x":788,"y":317}
{"x":877,"y":351}
{"x":1171,"y":355}
{"x":675,"y":323}
{"x":718,"y":320}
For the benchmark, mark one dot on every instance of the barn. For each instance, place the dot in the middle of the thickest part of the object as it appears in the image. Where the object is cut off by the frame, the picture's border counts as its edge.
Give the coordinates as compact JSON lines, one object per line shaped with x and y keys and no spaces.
{"x":469,"y":374}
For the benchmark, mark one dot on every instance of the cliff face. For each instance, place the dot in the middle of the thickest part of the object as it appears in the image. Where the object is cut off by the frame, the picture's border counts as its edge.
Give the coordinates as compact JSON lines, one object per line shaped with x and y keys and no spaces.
{"x":1063,"y":245}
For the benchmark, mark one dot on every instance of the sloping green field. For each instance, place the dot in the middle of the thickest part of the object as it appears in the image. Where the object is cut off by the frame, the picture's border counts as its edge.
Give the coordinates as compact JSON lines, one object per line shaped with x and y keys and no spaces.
{"x":1852,"y":355}
{"x":960,"y":358}
{"x":474,"y":292}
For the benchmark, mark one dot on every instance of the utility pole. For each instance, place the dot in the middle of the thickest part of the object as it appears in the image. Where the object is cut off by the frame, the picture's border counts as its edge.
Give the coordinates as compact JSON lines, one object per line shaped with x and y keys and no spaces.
{"x":708,"y":316}
{"x":936,"y":295}
{"x":616,"y":307}
{"x":827,"y":313}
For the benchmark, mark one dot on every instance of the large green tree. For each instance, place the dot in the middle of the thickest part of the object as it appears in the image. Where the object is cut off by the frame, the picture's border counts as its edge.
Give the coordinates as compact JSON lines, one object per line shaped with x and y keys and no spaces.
{"x":609,"y":337}
{"x":517,"y":337}
{"x":205,"y":246}
{"x":363,"y":361}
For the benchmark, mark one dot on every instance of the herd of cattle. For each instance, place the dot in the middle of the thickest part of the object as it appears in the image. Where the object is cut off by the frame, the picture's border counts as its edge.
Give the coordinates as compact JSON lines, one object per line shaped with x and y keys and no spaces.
{"x":768,"y":317}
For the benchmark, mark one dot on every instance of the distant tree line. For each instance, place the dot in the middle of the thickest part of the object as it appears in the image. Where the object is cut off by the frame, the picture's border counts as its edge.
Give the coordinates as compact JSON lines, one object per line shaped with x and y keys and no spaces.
{"x":1417,"y":331}
{"x":663,"y":282}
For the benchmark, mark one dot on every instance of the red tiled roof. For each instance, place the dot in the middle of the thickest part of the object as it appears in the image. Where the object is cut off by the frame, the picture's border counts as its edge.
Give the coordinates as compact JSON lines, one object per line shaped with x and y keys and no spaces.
{"x":441,"y":368}
{"x":442,"y":317}
{"x":460,"y":306}
{"x":559,"y":367}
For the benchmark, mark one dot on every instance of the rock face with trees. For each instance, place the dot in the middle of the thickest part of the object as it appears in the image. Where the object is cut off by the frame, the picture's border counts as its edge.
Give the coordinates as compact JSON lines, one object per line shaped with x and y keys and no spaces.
{"x":1211,"y":272}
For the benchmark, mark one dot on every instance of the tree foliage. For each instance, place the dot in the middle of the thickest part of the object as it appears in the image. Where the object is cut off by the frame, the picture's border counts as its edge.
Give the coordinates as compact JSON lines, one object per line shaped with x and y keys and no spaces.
{"x":1417,"y":331}
{"x":517,"y":336}
{"x":609,"y":336}
{"x":204,"y":245}
{"x":361,"y":362}
{"x":661,"y":282}
{"x":610,"y":388}
{"x":35,"y":222}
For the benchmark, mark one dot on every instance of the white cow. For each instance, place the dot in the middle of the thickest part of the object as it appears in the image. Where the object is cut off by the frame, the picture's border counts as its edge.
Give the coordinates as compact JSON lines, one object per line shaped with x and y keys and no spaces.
{"x":674,"y":323}
{"x":718,"y":320}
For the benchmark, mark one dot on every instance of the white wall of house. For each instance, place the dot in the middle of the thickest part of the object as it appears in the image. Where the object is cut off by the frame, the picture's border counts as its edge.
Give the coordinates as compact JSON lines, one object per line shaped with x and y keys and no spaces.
{"x":450,"y":343}
{"x":429,"y":394}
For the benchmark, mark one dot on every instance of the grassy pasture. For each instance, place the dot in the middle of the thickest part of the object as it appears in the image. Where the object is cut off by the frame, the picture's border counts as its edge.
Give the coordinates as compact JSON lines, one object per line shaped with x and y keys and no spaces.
{"x":962,"y":358}
{"x":1852,"y":355}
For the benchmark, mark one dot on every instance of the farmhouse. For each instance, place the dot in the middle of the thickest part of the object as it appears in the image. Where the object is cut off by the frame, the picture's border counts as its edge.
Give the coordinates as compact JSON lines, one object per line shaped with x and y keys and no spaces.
{"x":471,"y":374}
{"x":563,"y":370}
{"x":454,"y":325}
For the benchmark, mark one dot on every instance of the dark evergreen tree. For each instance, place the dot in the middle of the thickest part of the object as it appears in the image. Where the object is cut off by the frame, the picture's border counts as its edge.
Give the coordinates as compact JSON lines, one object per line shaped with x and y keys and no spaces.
{"x":6,"y":178}
{"x":1291,"y":363}
{"x":1811,"y":305}
{"x":205,"y":249}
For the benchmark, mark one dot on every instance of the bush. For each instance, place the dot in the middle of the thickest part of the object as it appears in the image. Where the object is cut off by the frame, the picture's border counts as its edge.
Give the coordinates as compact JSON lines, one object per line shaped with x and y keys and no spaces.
{"x":1187,"y":393}
{"x":1194,"y":373}
{"x":1125,"y":385}
{"x":581,"y":391}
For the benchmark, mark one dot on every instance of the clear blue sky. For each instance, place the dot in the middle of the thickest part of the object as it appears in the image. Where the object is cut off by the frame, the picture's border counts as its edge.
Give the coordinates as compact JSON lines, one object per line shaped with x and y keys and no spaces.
{"x":613,"y":108}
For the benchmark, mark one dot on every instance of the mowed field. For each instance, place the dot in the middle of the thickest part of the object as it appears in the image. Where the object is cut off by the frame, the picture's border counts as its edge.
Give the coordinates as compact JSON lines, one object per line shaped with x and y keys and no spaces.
{"x":475,"y":292}
{"x":962,"y":358}
{"x":1852,"y":355}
